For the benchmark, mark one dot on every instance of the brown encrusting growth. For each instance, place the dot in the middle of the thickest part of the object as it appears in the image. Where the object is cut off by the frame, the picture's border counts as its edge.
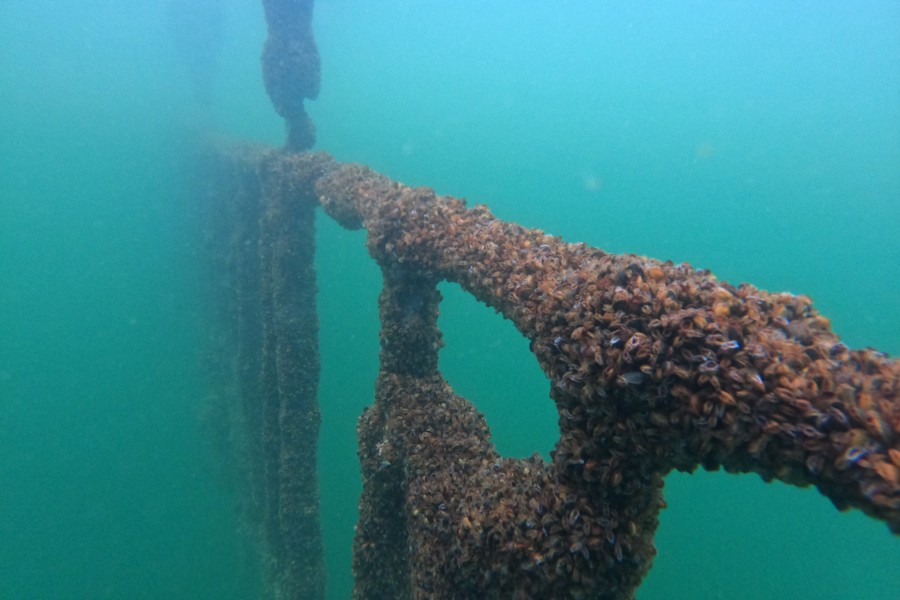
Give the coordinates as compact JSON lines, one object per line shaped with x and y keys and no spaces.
{"x":653,"y":367}
{"x":265,"y":241}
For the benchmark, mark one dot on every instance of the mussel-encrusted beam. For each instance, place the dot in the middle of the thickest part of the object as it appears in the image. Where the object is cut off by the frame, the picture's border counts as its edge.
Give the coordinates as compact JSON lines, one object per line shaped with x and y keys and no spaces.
{"x":289,"y":378}
{"x":262,"y":220}
{"x":653,"y":367}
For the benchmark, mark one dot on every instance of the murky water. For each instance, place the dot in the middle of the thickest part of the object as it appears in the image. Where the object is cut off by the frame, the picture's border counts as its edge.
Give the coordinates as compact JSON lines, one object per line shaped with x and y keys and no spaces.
{"x":759,"y":140}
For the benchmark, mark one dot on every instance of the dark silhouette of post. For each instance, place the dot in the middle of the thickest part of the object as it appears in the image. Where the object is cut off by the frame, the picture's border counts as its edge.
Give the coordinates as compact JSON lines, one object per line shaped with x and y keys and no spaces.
{"x":290,"y":64}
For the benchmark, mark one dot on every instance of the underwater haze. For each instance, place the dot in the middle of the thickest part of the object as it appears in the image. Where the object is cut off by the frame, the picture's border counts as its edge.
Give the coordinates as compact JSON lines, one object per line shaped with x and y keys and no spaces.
{"x":760,"y":140}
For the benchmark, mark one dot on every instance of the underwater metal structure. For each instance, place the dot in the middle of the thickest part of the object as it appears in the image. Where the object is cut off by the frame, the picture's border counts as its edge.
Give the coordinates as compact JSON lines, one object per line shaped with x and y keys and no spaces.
{"x":653,"y":366}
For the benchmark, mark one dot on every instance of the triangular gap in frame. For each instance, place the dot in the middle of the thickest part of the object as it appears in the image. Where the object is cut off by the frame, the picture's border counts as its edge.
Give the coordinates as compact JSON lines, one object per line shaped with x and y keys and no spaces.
{"x":487,"y":361}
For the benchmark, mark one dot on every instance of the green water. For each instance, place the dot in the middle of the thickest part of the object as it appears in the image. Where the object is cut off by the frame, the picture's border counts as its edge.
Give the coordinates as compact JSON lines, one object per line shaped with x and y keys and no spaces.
{"x":761,"y":140}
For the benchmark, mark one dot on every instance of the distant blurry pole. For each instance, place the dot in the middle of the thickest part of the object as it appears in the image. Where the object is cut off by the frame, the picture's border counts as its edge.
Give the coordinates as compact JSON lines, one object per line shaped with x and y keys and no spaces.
{"x":290,"y":64}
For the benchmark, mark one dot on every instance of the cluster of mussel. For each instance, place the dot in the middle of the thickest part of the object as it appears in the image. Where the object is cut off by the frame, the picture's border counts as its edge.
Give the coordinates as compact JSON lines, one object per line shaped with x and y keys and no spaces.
{"x":475,"y":525}
{"x":653,"y":366}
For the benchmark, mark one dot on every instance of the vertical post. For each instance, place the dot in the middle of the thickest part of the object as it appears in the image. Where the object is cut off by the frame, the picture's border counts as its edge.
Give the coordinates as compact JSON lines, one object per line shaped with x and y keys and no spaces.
{"x":289,"y":376}
{"x":290,"y":361}
{"x":290,"y":64}
{"x":409,"y":372}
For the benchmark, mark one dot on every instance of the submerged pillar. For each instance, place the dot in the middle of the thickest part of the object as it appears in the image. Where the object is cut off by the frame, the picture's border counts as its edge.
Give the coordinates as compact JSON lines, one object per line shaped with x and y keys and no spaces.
{"x":288,"y":382}
{"x":261,"y":226}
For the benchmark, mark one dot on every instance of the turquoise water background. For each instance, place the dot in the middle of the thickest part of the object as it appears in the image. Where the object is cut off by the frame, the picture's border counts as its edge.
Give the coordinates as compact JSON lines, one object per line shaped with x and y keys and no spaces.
{"x":758,"y":139}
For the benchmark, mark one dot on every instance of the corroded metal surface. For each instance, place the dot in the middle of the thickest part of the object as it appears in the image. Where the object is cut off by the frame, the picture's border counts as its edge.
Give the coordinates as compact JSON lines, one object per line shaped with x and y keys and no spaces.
{"x":653,"y":366}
